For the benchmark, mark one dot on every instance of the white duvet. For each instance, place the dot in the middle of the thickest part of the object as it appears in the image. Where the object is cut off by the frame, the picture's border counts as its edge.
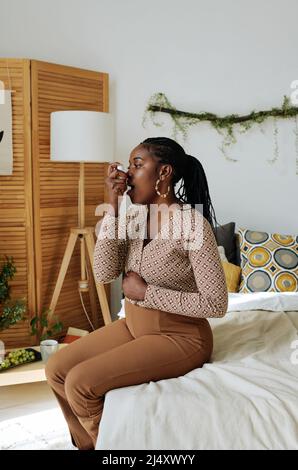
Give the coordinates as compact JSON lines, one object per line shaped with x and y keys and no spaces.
{"x":246,"y":398}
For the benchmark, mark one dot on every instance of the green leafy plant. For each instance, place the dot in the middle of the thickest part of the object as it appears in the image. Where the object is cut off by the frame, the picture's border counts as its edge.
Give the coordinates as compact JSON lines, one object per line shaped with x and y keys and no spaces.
{"x":42,"y":329}
{"x":11,"y":311}
{"x":224,"y":125}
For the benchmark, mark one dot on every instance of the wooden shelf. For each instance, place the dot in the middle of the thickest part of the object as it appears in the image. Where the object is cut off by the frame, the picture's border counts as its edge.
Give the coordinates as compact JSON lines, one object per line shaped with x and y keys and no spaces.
{"x":33,"y":372}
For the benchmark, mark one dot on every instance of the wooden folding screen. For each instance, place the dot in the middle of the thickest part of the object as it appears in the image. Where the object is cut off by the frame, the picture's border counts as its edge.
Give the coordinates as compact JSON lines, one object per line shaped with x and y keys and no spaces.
{"x":38,"y":202}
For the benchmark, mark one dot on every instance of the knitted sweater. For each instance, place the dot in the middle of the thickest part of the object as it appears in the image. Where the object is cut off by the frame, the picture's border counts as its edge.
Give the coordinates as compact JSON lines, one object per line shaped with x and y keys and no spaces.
{"x":181,"y":264}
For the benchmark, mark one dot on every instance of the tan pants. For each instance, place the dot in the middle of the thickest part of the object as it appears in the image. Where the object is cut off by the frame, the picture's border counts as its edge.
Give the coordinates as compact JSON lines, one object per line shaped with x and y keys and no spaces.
{"x":146,"y":345}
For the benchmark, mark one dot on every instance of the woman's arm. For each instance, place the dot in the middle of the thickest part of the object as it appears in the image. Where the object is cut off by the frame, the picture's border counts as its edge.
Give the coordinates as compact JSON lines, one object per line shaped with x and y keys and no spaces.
{"x":110,"y":249}
{"x":211,"y":300}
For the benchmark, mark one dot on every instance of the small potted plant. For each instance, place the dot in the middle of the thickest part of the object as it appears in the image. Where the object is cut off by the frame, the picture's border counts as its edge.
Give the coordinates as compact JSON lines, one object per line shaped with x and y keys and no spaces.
{"x":41,"y":328}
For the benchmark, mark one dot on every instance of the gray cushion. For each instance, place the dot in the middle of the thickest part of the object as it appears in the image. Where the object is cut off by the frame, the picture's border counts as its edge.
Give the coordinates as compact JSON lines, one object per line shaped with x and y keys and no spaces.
{"x":226,"y":237}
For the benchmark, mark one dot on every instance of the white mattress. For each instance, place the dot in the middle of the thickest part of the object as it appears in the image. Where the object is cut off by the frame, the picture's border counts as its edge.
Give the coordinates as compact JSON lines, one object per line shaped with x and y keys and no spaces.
{"x":246,"y":398}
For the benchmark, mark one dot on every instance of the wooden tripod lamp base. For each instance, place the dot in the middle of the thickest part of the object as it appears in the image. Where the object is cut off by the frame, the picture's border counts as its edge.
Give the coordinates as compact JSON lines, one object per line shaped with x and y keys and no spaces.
{"x":87,"y":240}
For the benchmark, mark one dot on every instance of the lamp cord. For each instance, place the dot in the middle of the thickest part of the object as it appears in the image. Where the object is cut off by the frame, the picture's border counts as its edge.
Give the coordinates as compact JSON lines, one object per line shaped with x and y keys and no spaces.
{"x":82,"y":301}
{"x":87,"y":316}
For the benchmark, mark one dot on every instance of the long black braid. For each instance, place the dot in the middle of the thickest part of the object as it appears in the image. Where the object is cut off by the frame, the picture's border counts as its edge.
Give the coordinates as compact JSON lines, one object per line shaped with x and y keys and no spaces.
{"x":194,"y":188}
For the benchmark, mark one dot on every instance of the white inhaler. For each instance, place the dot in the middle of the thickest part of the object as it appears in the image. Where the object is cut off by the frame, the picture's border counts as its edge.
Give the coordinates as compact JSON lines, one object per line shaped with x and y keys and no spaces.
{"x":121,"y":168}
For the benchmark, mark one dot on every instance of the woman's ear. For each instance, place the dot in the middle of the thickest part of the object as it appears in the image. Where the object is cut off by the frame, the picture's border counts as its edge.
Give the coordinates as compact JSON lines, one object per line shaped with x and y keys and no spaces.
{"x":166,"y":171}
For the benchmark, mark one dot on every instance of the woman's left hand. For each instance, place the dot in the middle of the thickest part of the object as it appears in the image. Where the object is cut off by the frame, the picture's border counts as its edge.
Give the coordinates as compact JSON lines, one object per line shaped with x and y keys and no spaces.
{"x":134,"y":286}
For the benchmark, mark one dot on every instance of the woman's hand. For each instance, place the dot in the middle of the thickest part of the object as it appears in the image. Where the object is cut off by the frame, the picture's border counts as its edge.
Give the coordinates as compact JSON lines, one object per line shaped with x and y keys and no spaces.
{"x":116,"y":183}
{"x":134,"y":286}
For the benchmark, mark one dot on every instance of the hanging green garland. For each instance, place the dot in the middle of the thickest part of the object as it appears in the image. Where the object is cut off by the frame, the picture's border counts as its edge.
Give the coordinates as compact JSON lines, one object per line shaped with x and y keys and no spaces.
{"x":158,"y":103}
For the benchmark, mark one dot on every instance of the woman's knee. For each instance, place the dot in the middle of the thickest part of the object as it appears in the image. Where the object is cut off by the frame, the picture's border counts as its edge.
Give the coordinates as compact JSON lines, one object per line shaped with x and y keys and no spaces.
{"x":74,"y":384}
{"x":79,"y":384}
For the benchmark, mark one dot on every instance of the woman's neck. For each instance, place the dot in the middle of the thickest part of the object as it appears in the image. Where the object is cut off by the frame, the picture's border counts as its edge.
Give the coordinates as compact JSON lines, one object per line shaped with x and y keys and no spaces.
{"x":171,"y":200}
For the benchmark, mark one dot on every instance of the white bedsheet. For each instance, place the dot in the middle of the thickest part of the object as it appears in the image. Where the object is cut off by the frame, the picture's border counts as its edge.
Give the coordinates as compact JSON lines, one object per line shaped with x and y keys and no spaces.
{"x":246,"y":398}
{"x":275,"y":301}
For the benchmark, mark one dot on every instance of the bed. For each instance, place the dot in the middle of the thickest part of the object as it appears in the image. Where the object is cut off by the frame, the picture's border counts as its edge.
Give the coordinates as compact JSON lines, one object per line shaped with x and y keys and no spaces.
{"x":244,"y":398}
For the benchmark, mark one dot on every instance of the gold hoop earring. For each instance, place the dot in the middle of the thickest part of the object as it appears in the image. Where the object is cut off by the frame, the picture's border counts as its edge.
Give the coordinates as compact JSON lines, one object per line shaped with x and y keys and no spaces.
{"x":156,"y":189}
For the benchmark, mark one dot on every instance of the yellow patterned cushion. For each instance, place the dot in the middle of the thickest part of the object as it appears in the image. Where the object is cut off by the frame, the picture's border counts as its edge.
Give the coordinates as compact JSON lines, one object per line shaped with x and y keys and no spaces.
{"x":232,"y":275}
{"x":269,"y":262}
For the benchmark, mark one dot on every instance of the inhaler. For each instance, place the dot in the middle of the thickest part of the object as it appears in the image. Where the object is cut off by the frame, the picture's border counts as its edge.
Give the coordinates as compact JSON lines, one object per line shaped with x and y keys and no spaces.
{"x":120,"y":168}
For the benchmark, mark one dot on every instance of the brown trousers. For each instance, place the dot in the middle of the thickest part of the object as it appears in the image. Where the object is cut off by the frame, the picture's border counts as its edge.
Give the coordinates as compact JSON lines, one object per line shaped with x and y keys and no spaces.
{"x":146,"y":345}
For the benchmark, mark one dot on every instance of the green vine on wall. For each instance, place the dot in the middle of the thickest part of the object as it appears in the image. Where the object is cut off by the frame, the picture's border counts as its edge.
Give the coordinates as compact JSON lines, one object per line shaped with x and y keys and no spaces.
{"x":224,"y":125}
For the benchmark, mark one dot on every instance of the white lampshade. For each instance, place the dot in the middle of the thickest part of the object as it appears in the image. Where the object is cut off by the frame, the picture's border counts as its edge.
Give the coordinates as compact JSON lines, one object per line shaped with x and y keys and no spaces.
{"x":82,"y":136}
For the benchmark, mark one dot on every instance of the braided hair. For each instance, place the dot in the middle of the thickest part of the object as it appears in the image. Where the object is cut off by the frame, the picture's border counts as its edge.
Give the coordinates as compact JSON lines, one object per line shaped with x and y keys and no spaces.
{"x":194,"y":188}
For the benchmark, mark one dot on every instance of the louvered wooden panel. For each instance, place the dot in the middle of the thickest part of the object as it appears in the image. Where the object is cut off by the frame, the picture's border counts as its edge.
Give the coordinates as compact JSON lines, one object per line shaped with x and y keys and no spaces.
{"x":38,"y":203}
{"x":55,"y":185}
{"x":16,"y":218}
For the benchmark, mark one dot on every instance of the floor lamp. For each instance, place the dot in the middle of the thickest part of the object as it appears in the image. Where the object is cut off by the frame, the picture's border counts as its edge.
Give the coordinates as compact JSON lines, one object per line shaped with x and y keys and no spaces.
{"x":81,"y":137}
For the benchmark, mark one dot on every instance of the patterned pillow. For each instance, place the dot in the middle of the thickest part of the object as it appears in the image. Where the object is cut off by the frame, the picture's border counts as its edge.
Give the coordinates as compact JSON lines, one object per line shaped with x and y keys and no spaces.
{"x":269,"y":262}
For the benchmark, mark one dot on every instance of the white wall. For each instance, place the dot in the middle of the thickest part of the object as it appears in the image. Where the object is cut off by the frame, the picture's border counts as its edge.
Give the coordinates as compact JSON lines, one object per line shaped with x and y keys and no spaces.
{"x":224,"y":56}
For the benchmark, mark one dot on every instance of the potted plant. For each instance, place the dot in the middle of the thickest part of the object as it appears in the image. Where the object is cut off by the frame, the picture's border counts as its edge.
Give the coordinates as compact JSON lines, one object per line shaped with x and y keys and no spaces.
{"x":41,"y":328}
{"x":10,"y":311}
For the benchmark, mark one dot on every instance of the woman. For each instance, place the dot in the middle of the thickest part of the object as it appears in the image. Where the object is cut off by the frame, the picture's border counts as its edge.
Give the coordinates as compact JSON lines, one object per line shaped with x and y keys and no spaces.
{"x":171,"y":286}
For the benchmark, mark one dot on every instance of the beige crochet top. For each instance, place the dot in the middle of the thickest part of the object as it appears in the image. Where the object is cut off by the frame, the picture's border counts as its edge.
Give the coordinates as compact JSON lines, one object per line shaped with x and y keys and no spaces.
{"x":181,"y":264}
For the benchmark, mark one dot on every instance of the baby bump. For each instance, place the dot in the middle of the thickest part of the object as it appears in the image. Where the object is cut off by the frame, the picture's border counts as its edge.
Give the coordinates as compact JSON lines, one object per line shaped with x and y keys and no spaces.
{"x":194,"y":331}
{"x":140,"y":320}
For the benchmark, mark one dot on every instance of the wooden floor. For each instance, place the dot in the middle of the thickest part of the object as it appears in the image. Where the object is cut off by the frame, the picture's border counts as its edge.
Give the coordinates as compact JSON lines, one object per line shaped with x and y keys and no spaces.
{"x":30,"y":418}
